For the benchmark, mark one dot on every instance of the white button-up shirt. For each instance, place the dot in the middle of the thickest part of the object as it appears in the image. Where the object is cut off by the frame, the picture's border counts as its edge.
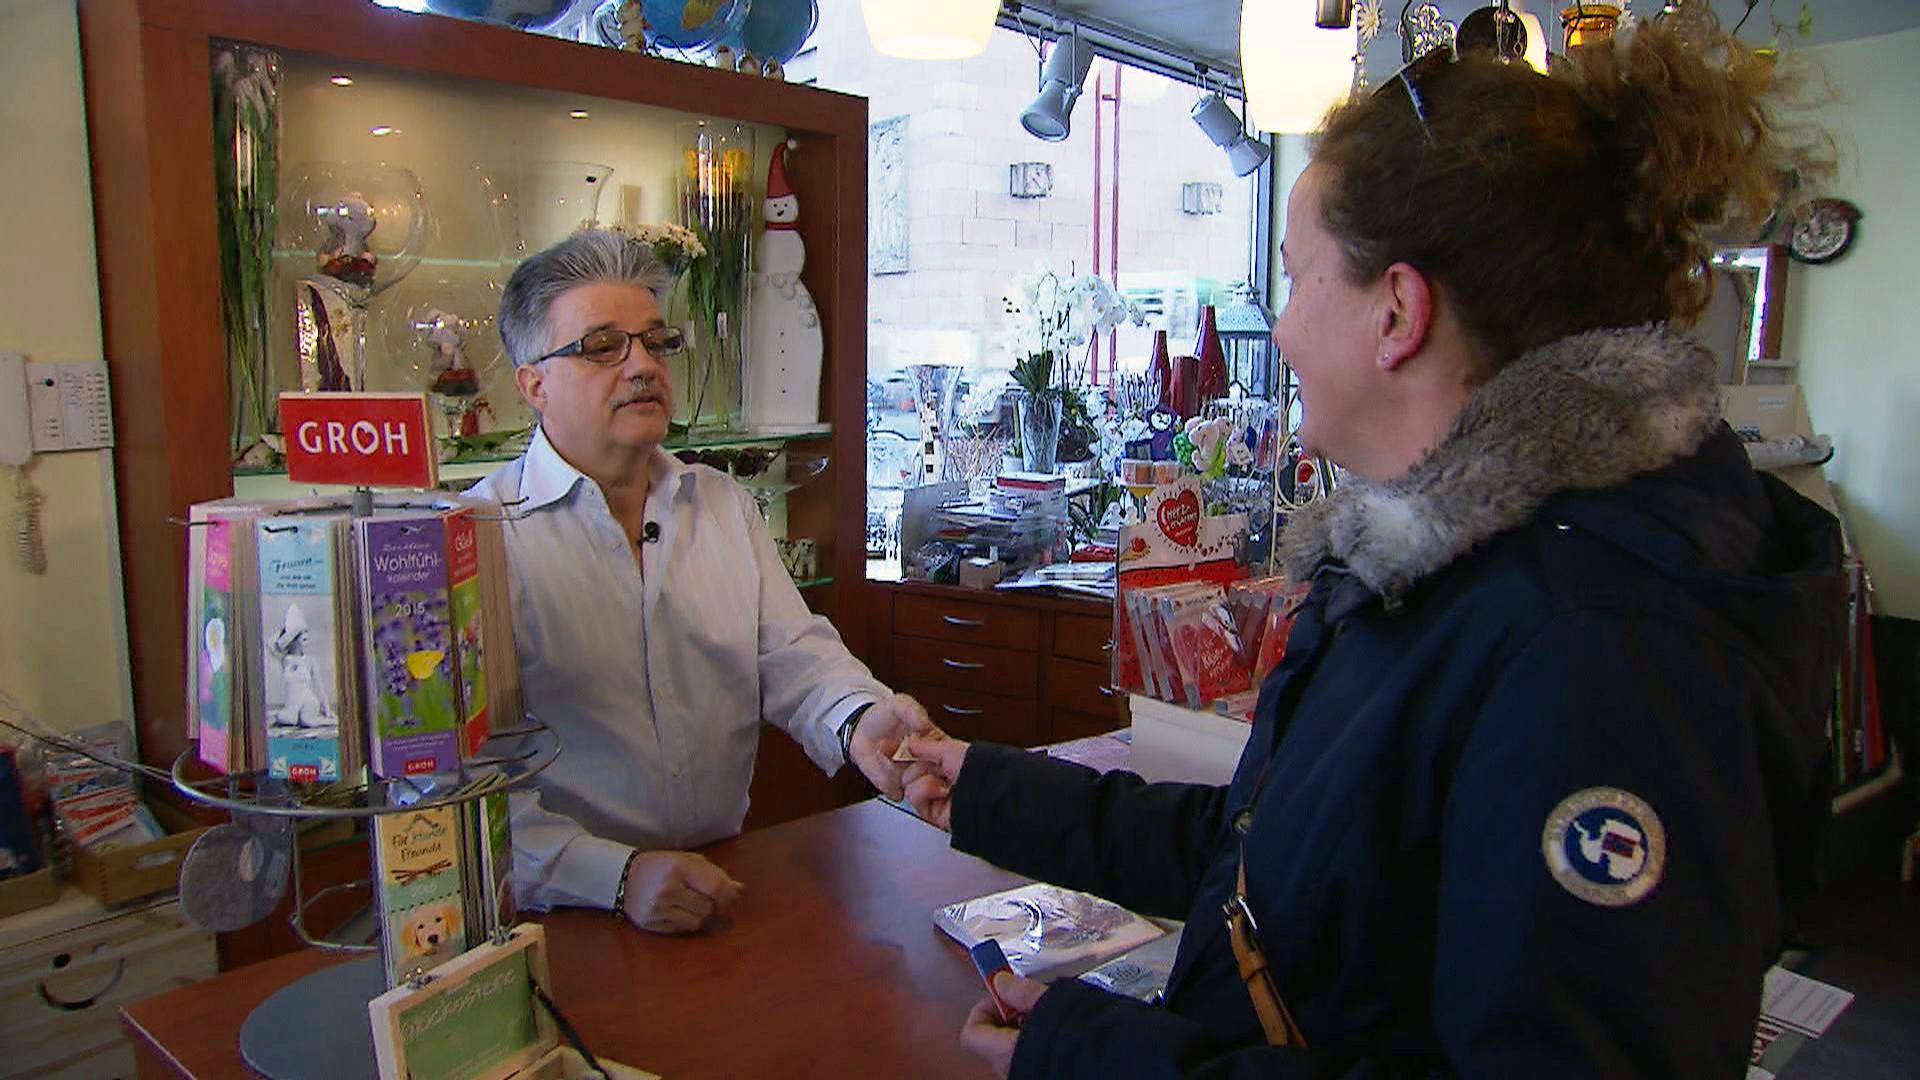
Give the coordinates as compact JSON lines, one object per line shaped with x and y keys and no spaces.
{"x":656,"y":685}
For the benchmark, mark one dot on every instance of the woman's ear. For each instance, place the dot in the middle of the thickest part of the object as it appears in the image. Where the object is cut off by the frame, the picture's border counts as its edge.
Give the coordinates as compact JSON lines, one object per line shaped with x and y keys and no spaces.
{"x":1406,"y":316}
{"x":531,"y":380}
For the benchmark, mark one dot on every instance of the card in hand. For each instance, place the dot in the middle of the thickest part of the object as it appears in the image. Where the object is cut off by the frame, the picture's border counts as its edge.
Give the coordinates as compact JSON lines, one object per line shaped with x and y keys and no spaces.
{"x":901,"y":753}
{"x":989,"y":959}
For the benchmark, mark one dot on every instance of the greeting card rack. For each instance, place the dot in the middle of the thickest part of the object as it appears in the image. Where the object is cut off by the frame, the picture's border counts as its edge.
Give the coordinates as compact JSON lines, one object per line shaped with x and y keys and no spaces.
{"x":302,"y":1030}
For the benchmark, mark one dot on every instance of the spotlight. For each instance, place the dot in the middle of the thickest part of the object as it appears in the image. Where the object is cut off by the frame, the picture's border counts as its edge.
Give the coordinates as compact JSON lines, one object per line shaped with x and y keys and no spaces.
{"x":1217,"y":119}
{"x":1060,"y":82}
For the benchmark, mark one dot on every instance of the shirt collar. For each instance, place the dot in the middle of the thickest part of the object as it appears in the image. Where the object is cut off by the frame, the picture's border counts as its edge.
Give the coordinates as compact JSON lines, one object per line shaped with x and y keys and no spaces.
{"x":547,"y":477}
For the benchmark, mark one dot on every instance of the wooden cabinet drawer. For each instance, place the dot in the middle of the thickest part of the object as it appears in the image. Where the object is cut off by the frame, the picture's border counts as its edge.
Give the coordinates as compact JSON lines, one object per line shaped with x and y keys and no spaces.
{"x":60,"y":995}
{"x":961,"y":620}
{"x":1083,"y":637}
{"x":969,"y":714}
{"x":965,"y":666}
{"x":1081,"y":687}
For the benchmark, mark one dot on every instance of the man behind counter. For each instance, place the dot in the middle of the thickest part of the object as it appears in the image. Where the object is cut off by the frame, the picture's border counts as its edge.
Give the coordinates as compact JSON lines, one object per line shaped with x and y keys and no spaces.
{"x":655,"y":624}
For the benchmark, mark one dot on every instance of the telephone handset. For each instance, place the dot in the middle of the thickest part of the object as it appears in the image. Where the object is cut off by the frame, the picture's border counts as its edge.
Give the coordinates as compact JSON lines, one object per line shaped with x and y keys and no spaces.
{"x":16,"y":449}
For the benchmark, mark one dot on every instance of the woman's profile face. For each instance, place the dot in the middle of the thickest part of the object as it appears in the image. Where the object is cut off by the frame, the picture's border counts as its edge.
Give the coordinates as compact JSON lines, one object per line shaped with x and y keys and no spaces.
{"x":1328,"y":332}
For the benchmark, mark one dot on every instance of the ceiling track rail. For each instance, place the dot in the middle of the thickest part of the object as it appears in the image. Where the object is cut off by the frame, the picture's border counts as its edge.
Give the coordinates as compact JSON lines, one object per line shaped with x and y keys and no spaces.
{"x":1046,"y":20}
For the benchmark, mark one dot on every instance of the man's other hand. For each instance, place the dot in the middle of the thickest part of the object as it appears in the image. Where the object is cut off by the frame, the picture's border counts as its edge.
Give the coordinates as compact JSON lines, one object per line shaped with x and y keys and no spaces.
{"x":676,"y":892}
{"x":929,"y":781}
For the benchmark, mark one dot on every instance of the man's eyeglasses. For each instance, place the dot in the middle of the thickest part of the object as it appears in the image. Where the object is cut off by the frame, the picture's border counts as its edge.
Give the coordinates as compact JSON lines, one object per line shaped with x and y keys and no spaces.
{"x":610,"y":346}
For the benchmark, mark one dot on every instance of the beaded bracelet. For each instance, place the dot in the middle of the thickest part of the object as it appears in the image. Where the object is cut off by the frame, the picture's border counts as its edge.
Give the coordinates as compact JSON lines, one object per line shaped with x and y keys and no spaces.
{"x":620,"y":890}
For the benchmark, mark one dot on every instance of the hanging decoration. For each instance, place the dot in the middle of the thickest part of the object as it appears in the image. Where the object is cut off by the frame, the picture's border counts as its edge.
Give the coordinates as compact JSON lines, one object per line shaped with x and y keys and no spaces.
{"x":1424,"y":30}
{"x":1366,"y":30}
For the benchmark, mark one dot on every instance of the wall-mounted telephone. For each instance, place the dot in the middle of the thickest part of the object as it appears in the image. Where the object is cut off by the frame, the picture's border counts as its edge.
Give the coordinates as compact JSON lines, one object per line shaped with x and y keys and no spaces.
{"x":43,"y":408}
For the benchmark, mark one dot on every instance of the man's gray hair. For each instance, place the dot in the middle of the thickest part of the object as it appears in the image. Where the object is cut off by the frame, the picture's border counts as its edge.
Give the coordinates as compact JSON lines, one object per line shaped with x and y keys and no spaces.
{"x":594,"y":255}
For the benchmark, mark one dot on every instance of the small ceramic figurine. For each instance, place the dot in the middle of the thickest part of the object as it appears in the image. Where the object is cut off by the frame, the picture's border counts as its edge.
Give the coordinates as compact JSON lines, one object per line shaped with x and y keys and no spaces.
{"x":633,"y":26}
{"x":451,"y":375}
{"x":723,"y":58}
{"x":344,"y":255}
{"x":783,"y":378}
{"x":774,"y":71}
{"x":747,"y":63}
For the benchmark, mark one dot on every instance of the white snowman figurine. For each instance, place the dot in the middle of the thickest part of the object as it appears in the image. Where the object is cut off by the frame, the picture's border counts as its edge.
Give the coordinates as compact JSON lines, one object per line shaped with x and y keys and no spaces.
{"x":783,"y":380}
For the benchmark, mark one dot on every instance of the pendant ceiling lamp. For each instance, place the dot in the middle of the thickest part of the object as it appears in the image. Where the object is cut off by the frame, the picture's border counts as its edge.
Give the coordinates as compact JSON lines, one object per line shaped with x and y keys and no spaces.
{"x":1293,"y":70}
{"x":923,"y":30}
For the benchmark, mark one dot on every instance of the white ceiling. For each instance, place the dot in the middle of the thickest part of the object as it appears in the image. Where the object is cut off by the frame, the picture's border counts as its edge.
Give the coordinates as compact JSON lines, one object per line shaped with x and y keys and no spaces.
{"x":1209,"y":30}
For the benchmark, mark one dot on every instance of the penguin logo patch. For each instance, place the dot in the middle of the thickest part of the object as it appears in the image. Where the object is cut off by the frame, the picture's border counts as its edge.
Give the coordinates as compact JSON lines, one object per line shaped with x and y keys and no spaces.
{"x":1605,"y":846}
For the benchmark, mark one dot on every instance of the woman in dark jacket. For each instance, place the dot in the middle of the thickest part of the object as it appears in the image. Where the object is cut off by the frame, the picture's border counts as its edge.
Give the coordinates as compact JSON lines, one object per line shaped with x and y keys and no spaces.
{"x":1542,"y":760}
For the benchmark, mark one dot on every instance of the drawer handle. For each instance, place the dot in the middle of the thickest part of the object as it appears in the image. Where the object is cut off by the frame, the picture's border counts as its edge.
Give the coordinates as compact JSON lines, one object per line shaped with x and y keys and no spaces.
{"x":53,"y":1001}
{"x":960,"y":665}
{"x":955,"y":710}
{"x":1108,"y":691}
{"x":955,"y":620}
{"x":1107,"y":646}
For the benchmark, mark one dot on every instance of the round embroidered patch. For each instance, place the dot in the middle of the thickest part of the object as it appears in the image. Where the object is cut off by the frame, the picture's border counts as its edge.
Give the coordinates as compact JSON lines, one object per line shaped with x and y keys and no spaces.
{"x":1605,"y":846}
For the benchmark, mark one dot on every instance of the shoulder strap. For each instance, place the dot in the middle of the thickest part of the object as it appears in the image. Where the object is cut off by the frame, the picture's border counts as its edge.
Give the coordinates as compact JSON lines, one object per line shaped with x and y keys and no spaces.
{"x":1244,"y":934}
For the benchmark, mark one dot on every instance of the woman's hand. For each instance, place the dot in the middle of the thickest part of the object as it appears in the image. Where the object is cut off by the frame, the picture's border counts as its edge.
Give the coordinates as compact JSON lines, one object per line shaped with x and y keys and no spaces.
{"x":937,"y":758}
{"x":986,"y":1035}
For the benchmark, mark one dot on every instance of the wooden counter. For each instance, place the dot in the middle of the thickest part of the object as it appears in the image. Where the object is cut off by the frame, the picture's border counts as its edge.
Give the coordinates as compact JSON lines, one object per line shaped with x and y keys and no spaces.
{"x":831,"y":966}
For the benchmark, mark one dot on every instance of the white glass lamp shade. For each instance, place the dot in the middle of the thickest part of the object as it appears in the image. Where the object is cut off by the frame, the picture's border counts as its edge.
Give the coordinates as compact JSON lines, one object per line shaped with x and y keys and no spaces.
{"x":1536,"y":42}
{"x":930,"y":29}
{"x":1294,"y":71}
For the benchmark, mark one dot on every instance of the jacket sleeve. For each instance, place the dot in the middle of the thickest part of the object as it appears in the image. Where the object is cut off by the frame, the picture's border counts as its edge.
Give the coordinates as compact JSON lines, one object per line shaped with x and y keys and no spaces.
{"x":1530,"y":979}
{"x":1144,"y":846}
{"x":1642,"y":951}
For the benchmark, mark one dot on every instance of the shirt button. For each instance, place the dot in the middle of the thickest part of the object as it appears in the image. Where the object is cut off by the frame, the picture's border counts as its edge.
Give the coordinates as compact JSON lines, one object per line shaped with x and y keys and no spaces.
{"x":1242,"y":822}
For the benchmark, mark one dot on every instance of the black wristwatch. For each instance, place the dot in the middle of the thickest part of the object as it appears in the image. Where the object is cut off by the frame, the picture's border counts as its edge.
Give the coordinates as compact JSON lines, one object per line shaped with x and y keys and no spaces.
{"x":846,"y":732}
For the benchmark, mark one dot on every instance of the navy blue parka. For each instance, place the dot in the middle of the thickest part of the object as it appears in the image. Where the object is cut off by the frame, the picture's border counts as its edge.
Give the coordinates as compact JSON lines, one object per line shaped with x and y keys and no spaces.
{"x":1584,"y":597}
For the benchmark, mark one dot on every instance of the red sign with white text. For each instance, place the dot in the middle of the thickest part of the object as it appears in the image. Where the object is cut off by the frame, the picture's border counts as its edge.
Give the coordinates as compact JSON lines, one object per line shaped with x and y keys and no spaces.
{"x":366,"y":440}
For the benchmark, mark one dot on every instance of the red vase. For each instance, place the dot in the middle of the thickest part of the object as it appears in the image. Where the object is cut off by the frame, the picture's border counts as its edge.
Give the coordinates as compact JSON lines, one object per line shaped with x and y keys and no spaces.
{"x":1185,"y":394}
{"x":1160,"y":370}
{"x":1213,"y":360}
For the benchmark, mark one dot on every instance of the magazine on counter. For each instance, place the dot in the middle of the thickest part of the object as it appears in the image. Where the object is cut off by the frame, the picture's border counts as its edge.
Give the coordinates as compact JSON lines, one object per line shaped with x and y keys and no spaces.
{"x":1140,"y":974}
{"x":1046,"y":931}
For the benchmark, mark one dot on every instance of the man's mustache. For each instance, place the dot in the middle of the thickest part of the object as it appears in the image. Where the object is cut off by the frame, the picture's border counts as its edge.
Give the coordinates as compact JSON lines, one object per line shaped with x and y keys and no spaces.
{"x":643,"y":389}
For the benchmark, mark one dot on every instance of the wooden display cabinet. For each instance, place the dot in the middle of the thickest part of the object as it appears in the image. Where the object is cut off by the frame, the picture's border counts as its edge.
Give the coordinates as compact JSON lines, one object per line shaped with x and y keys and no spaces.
{"x":146,"y":65}
{"x":1016,"y":667}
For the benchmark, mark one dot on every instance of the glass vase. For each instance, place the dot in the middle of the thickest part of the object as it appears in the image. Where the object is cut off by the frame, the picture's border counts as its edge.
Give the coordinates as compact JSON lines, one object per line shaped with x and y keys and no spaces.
{"x":1039,"y":419}
{"x":246,"y":119}
{"x":536,"y":204}
{"x":717,"y":201}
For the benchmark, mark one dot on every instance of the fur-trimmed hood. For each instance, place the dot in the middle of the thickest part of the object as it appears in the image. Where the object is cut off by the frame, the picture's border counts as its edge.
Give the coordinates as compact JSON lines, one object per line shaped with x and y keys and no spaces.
{"x":1583,"y":413}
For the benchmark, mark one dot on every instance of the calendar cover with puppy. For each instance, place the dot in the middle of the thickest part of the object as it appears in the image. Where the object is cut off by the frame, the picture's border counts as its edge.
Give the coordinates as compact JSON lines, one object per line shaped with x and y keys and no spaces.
{"x":418,"y":867}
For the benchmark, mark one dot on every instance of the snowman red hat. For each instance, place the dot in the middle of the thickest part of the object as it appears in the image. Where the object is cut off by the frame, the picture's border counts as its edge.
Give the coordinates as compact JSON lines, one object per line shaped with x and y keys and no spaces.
{"x":779,"y":189}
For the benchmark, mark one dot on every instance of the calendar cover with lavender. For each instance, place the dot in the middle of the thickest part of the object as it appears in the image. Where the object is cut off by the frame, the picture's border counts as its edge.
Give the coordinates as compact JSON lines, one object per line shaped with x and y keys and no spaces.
{"x":409,"y":646}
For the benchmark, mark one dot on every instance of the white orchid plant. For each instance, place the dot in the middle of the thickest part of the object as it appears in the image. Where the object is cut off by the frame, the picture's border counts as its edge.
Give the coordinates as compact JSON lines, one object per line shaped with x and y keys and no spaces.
{"x":1050,"y":318}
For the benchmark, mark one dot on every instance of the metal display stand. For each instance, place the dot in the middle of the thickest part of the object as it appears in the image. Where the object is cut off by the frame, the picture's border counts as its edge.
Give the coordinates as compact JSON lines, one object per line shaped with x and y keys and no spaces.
{"x":317,"y":1028}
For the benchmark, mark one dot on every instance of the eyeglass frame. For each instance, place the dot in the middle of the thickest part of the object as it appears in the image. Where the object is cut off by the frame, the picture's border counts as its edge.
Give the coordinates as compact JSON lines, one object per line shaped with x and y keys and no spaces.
{"x":1419,"y":67}
{"x":577,"y":347}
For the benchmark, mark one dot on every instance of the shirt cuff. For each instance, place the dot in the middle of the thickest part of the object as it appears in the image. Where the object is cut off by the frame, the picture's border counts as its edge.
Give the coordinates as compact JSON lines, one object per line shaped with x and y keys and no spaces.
{"x":843,"y":711}
{"x":588,"y":871}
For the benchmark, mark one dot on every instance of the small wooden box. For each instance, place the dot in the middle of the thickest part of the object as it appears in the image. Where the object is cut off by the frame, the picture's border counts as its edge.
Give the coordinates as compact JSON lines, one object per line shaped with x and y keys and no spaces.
{"x":475,"y":1017}
{"x":28,"y":891}
{"x":136,"y":870}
